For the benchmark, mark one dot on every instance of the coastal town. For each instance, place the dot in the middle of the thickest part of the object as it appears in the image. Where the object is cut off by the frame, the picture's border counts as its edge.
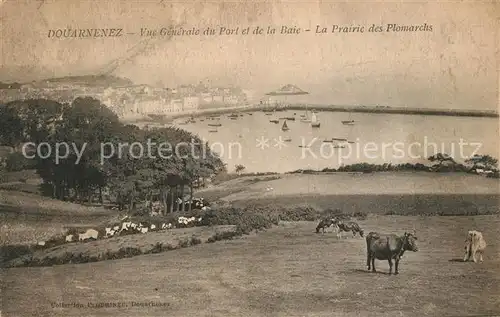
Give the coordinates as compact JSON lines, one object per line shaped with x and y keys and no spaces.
{"x":128,"y":99}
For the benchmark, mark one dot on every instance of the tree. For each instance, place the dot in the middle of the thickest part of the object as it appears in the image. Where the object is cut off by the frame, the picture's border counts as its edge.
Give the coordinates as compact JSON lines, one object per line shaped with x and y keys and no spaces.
{"x":11,"y":127}
{"x":441,"y":159}
{"x":239,"y":168}
{"x":85,"y":125}
{"x":483,"y":161}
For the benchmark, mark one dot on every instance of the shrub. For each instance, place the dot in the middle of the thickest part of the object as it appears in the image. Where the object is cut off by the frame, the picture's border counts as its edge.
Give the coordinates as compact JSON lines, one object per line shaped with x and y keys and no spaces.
{"x":10,"y":252}
{"x":16,"y":161}
{"x":245,"y":220}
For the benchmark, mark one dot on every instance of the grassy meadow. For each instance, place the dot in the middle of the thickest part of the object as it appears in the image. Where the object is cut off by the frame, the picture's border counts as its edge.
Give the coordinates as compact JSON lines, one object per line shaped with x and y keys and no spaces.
{"x":287,"y":270}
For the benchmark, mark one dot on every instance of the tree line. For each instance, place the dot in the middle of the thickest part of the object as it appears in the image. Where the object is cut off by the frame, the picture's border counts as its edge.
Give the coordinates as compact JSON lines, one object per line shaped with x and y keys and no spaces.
{"x":131,"y":181}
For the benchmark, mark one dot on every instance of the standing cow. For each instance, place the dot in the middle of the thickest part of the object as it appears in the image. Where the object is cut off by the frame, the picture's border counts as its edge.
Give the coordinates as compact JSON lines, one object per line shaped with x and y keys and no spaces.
{"x":474,"y":245}
{"x":326,"y":223}
{"x":349,"y":226}
{"x":388,"y":247}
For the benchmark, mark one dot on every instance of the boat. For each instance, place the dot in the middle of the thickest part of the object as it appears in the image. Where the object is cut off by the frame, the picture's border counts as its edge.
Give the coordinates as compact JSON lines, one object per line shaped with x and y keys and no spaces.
{"x":285,"y":127}
{"x":339,"y":147}
{"x":288,"y":118}
{"x":214,"y":124}
{"x":305,"y":117}
{"x":268,"y":113}
{"x":233,"y":115}
{"x":328,"y":141}
{"x":288,"y":140}
{"x":314,"y":121}
{"x":351,"y":142}
{"x":274,"y":121}
{"x":348,"y":122}
{"x":338,"y":139}
{"x":214,"y":130}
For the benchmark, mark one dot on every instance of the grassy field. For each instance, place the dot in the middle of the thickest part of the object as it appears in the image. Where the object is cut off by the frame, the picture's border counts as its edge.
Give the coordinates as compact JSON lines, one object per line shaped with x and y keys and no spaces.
{"x":142,"y":243}
{"x":28,"y":218}
{"x":286,"y":271}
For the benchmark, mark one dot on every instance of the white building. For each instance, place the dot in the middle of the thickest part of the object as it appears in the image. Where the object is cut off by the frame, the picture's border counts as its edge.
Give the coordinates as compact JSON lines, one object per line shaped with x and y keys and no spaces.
{"x":176,"y":105}
{"x":191,"y":103}
{"x":231,"y":99}
{"x":218,"y":99}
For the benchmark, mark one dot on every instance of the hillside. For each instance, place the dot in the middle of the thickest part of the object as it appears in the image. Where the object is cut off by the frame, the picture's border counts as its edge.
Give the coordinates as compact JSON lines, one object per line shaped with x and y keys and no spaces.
{"x":87,"y":80}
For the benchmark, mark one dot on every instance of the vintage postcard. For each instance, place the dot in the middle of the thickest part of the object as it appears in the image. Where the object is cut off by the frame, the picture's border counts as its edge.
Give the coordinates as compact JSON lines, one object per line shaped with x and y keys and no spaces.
{"x":239,"y":158}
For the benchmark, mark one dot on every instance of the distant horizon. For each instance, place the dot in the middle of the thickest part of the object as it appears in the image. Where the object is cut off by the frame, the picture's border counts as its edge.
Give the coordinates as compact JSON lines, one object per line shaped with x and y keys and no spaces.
{"x":254,"y":99}
{"x":454,"y":64}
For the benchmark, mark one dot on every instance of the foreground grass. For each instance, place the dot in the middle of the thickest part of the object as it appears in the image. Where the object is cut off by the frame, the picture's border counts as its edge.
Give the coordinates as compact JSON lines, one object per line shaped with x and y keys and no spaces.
{"x":120,"y":246}
{"x":286,"y":271}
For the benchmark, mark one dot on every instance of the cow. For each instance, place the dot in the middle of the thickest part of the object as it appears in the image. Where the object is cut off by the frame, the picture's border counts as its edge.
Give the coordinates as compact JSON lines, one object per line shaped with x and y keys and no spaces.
{"x":474,"y":245}
{"x":326,"y":223}
{"x":388,"y":247}
{"x":349,"y":226}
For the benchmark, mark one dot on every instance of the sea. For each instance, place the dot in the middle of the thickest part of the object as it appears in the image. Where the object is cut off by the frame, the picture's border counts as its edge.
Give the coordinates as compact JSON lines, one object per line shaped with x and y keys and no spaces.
{"x":260,"y":145}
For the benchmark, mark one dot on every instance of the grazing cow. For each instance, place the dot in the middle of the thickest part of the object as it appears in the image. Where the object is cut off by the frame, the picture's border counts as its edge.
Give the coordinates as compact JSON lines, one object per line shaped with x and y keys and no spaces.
{"x":349,"y":226}
{"x":474,"y":245}
{"x":388,"y":247}
{"x":326,"y":223}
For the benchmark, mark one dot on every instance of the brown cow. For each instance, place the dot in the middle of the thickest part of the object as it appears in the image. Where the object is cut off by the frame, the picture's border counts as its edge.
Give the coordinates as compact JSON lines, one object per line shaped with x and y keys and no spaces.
{"x":388,"y":247}
{"x":326,"y":223}
{"x":474,"y":245}
{"x":349,"y":226}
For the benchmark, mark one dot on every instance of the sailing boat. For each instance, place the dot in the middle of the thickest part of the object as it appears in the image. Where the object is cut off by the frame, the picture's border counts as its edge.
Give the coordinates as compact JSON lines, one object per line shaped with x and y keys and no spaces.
{"x":305,"y":117}
{"x":285,"y":127}
{"x":348,"y":122}
{"x":314,"y":121}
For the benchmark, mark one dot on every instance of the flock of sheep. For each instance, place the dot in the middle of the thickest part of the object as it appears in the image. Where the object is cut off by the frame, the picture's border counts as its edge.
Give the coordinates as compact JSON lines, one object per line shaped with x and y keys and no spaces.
{"x":128,"y":227}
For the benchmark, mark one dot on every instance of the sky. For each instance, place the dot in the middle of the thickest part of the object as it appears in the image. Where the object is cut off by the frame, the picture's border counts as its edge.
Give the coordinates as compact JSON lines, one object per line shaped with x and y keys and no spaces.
{"x":454,"y":66}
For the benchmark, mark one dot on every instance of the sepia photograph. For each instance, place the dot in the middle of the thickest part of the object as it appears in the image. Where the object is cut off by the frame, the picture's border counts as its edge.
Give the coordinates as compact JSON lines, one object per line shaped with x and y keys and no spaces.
{"x":237,"y":158}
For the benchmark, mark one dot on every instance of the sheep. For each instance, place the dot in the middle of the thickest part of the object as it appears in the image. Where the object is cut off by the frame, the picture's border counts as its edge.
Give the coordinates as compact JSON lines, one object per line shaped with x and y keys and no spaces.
{"x":69,"y":238}
{"x":144,"y":230}
{"x":41,"y":243}
{"x":90,"y":233}
{"x":109,"y":232}
{"x":126,"y":225}
{"x":116,"y":228}
{"x":153,"y":227}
